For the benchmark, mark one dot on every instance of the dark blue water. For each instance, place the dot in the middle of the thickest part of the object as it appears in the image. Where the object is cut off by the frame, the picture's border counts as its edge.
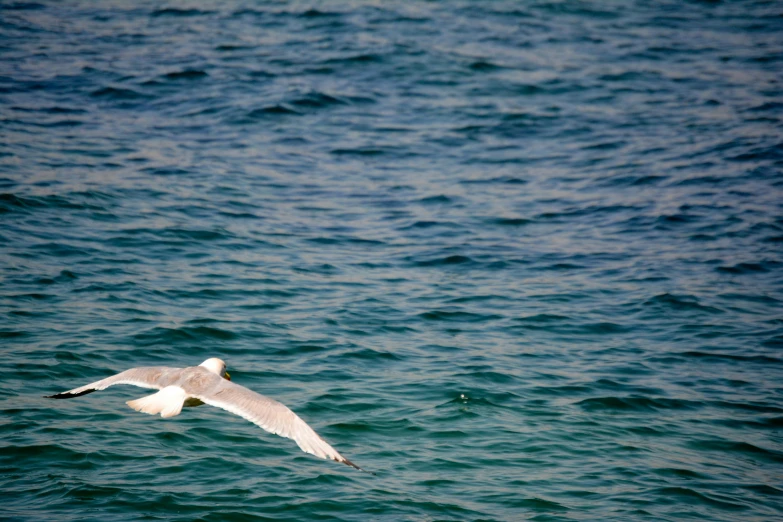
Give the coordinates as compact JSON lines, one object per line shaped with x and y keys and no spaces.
{"x":521,"y":259}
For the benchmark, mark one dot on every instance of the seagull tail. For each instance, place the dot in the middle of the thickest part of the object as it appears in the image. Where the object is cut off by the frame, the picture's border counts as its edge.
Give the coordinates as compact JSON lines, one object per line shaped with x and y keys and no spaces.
{"x":168,"y":402}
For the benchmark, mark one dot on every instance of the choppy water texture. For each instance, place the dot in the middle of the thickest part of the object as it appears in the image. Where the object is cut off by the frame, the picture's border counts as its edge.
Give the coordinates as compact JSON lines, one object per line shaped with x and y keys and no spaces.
{"x":521,"y":259}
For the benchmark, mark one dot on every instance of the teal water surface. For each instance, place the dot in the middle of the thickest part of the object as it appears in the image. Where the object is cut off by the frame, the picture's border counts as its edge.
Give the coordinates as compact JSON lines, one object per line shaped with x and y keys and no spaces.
{"x":520,"y":259}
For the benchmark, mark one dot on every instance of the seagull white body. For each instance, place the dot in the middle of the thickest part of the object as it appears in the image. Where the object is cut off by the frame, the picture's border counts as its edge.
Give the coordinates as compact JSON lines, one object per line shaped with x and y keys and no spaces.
{"x":209,"y":383}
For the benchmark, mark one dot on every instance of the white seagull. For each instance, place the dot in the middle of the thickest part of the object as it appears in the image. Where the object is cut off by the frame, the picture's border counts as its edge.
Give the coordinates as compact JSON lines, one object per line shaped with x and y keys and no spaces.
{"x":209,"y":383}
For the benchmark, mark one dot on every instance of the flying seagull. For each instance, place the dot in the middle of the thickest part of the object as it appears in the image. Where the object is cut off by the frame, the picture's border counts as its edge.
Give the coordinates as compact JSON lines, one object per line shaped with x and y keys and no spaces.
{"x":209,"y":383}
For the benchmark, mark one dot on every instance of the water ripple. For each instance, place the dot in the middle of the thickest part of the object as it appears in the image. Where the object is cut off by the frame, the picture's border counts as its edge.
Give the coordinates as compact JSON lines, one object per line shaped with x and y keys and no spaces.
{"x":520,"y":260}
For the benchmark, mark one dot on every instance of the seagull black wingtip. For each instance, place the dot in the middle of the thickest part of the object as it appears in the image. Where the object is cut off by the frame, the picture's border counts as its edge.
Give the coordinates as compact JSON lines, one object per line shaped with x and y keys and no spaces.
{"x":349,"y":463}
{"x":67,"y":395}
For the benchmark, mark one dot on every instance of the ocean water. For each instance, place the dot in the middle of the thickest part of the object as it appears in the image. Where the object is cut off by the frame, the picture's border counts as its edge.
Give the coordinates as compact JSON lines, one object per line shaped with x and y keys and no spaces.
{"x":520,"y":259}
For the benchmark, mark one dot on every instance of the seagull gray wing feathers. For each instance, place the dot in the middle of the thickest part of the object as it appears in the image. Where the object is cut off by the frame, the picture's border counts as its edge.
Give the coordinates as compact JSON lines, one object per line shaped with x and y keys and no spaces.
{"x":154,"y":377}
{"x":270,"y":415}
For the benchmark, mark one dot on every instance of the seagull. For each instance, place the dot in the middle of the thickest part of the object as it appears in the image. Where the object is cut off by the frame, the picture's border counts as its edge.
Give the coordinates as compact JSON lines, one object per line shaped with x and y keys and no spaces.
{"x":210,"y":383}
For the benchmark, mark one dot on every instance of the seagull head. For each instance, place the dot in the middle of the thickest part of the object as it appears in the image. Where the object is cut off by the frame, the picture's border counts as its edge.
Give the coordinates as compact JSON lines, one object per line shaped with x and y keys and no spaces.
{"x":217,"y":366}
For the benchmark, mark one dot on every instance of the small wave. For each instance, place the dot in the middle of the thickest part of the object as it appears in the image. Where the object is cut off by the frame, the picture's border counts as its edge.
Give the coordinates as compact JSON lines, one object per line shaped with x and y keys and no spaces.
{"x":480,"y":298}
{"x":370,"y":355}
{"x":641,"y":404}
{"x":361,"y":100}
{"x":22,"y":6}
{"x":691,"y":495}
{"x":105,"y":287}
{"x":65,"y":276}
{"x":239,"y":215}
{"x":162,"y":335}
{"x":542,"y":319}
{"x":465,"y":317}
{"x":301,"y":349}
{"x":632,"y":76}
{"x":446,"y":261}
{"x":602,"y":328}
{"x":226,"y":293}
{"x":359,"y":151}
{"x":681,"y":303}
{"x":117,"y":93}
{"x":439,"y":199}
{"x":343,"y":240}
{"x":749,"y":268}
{"x":488,"y":376}
{"x":511,"y":222}
{"x":732,"y":358}
{"x":562,"y":266}
{"x":12,"y":200}
{"x":233,"y":47}
{"x":50,"y":452}
{"x":8,"y":201}
{"x":13,"y":334}
{"x":538,"y":504}
{"x":196,"y":234}
{"x":56,"y":109}
{"x":677,"y":219}
{"x":773,"y":342}
{"x":187,"y":74}
{"x":355,"y":427}
{"x":323,"y":268}
{"x":62,"y":250}
{"x":590,"y":210}
{"x":767,"y":107}
{"x":271,"y":110}
{"x":647,"y":180}
{"x":764,"y":489}
{"x":703,"y":180}
{"x":748,"y":406}
{"x":577,"y":10}
{"x":59,"y":123}
{"x":430,"y":224}
{"x":317,"y":100}
{"x":315,"y":13}
{"x":358,"y":59}
{"x":773,"y":423}
{"x":567,"y":390}
{"x":528,"y":89}
{"x":175,"y":12}
{"x":773,"y":153}
{"x":165,"y":171}
{"x":680,"y":472}
{"x":484,"y":66}
{"x":502,"y":180}
{"x":134,"y":235}
{"x":429,"y":483}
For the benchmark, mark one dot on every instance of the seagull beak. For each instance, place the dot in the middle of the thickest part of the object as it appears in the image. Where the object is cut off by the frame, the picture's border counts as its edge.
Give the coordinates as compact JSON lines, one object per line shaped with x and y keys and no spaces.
{"x":227,"y":376}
